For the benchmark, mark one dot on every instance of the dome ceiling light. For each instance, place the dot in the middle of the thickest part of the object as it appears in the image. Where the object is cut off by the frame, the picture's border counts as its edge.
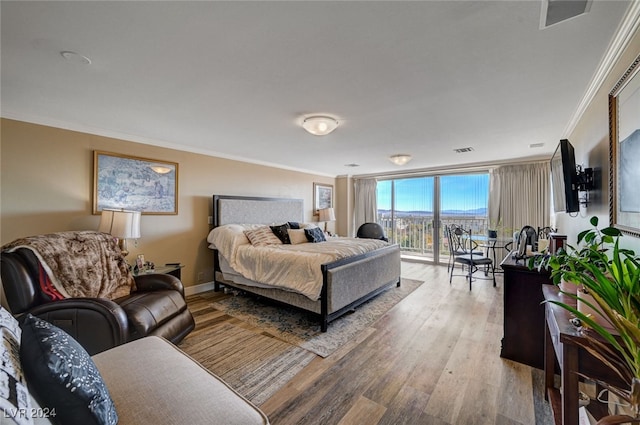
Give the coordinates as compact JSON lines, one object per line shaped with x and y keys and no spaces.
{"x":319,"y":125}
{"x":400,"y":159}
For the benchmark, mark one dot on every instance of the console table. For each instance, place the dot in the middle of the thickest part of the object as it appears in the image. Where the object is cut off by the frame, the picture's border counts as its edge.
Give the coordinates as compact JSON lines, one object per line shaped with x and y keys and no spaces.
{"x":561,"y":343}
{"x":523,"y":339}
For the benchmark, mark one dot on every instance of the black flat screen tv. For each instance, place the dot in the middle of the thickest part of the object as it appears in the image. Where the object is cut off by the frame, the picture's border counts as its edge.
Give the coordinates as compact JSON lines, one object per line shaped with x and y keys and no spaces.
{"x":563,"y":178}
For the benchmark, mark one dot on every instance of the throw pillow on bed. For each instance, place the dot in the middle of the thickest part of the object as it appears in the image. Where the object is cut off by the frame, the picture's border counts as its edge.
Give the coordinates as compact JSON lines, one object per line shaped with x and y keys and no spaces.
{"x":281,"y":232}
{"x":297,"y":236}
{"x":262,"y":236}
{"x":63,"y":377}
{"x":315,"y":234}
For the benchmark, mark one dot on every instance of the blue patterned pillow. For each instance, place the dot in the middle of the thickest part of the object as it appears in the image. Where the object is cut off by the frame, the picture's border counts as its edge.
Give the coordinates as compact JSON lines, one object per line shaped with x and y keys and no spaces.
{"x":293,"y":224}
{"x":315,"y":234}
{"x":62,"y":376}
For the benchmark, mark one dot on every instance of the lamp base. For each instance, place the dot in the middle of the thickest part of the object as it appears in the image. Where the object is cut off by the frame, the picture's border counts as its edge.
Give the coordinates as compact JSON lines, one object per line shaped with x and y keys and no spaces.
{"x":122,"y":243}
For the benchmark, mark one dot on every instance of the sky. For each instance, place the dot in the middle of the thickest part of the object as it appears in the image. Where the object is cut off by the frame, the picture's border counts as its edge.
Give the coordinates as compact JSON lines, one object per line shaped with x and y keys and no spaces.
{"x":458,"y":192}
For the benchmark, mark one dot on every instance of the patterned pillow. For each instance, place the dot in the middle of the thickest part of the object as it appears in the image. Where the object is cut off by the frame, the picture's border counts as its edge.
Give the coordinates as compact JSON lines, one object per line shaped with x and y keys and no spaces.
{"x":294,"y":225}
{"x":297,"y":236}
{"x":15,"y":401}
{"x":262,"y":236}
{"x":315,"y":234}
{"x":281,"y":232}
{"x":62,"y":375}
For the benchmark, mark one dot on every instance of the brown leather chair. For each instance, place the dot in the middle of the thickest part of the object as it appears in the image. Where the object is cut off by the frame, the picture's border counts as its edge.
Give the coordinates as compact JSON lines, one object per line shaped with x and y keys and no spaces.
{"x":156,"y":307}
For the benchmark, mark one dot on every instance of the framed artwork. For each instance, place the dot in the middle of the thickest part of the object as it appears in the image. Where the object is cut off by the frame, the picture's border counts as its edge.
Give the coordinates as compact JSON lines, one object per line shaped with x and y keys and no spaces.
{"x":624,"y":152}
{"x":322,"y":197}
{"x":133,"y":183}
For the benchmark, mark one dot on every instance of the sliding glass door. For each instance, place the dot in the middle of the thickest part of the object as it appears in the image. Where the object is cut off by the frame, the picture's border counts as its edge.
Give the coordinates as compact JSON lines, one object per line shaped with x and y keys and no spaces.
{"x":414,"y":210}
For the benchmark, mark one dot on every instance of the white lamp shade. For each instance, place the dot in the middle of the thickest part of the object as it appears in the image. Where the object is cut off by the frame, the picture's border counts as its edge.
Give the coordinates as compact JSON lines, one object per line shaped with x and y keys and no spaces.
{"x":120,"y":224}
{"x":326,"y":214}
{"x":319,"y":125}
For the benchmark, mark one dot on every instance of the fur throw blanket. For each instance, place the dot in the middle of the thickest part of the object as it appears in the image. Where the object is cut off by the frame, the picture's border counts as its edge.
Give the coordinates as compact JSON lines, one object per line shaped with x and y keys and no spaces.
{"x":80,"y":263}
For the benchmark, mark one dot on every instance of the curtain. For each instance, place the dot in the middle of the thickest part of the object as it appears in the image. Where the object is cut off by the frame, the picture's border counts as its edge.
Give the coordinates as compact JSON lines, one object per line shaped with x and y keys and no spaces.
{"x":519,"y":196}
{"x":366,"y":205}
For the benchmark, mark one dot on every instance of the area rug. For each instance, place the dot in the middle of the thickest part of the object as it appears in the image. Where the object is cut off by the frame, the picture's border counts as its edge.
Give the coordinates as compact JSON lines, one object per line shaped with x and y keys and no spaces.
{"x":302,"y":329}
{"x":255,"y":365}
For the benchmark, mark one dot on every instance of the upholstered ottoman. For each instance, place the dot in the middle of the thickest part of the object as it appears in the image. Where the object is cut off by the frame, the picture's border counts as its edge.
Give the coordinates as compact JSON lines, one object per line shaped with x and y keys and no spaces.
{"x":153,"y":382}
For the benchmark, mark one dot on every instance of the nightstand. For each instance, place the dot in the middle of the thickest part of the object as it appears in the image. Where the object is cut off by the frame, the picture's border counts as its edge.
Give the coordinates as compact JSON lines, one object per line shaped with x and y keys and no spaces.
{"x":173,"y":270}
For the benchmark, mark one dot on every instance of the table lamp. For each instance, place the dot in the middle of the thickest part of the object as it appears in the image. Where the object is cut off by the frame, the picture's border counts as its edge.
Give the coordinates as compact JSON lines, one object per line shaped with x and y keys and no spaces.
{"x":326,"y":214}
{"x":121,"y":224}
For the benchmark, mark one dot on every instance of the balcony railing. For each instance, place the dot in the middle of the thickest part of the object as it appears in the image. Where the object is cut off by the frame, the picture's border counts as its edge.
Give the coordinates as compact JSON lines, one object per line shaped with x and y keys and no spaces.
{"x":414,"y":234}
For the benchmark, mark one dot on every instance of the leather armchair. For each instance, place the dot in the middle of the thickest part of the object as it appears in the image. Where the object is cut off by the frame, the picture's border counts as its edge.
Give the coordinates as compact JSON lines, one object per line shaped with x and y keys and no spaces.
{"x":156,"y":307}
{"x":371,"y":231}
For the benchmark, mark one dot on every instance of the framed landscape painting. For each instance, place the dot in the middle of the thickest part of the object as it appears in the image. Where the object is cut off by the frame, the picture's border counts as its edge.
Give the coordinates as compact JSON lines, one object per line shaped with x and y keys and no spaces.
{"x":322,"y":197}
{"x":133,"y":183}
{"x":624,"y":151}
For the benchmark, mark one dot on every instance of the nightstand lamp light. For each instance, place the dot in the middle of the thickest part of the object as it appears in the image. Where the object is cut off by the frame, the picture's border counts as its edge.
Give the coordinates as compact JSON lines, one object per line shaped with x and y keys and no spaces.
{"x":326,"y":214}
{"x":121,"y":224}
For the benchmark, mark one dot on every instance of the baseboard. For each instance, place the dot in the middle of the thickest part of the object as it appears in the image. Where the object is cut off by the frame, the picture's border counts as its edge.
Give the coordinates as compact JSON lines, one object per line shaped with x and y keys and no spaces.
{"x":196,"y":289}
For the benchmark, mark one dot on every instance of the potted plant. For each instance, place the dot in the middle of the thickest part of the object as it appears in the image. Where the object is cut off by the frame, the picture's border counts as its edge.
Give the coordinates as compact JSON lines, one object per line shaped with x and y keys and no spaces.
{"x":591,"y":244}
{"x":611,"y":275}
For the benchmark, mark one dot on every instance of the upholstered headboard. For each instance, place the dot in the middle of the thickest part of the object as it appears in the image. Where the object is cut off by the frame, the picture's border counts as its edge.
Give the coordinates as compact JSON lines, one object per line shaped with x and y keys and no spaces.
{"x":255,"y":210}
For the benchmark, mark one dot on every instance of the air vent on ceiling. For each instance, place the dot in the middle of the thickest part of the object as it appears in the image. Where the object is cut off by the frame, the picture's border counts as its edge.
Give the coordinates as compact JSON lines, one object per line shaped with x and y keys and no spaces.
{"x":556,"y":11}
{"x":536,"y":145}
{"x":352,"y":165}
{"x":463,"y":150}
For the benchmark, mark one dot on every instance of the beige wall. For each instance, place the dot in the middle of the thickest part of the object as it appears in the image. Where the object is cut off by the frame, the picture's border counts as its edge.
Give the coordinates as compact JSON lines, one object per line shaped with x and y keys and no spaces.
{"x":46,"y":185}
{"x":591,"y":142}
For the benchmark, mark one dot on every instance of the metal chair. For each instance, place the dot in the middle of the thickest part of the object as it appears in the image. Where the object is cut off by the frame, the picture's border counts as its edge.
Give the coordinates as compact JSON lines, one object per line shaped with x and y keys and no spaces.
{"x":458,"y":243}
{"x":472,"y":260}
{"x":371,"y":231}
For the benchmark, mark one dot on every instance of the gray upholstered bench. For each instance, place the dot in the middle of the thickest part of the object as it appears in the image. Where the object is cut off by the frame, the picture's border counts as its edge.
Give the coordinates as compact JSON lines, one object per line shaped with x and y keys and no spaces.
{"x":153,"y":382}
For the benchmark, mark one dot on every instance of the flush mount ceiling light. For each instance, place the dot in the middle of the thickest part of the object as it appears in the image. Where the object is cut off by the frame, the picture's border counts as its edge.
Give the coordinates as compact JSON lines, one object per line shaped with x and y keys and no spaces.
{"x":75,"y":57}
{"x":319,"y":125}
{"x":400,"y":159}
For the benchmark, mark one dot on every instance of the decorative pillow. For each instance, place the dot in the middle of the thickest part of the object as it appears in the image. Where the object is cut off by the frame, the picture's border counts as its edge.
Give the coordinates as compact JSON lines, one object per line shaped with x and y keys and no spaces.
{"x":294,"y":225}
{"x":62,"y":375}
{"x":15,"y":401}
{"x":314,"y":234}
{"x":297,"y":236}
{"x":262,"y":236}
{"x":281,"y":232}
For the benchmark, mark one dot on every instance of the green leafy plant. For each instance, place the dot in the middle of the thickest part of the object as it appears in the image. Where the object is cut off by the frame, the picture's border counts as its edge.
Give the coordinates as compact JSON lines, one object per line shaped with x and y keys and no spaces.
{"x":592,"y":244}
{"x":612,"y":276}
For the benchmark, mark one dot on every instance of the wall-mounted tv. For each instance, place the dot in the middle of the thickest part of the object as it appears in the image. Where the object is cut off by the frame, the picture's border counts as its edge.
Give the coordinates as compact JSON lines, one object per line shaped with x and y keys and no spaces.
{"x":563,"y":178}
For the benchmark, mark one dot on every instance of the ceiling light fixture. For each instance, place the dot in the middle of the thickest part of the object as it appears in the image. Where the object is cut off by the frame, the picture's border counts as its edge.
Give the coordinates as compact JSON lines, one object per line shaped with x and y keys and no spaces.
{"x":400,"y":159}
{"x":319,"y":125}
{"x":75,"y":57}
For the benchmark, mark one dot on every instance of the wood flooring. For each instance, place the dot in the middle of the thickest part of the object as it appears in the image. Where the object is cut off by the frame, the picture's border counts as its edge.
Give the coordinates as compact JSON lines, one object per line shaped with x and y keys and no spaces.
{"x":432,"y":359}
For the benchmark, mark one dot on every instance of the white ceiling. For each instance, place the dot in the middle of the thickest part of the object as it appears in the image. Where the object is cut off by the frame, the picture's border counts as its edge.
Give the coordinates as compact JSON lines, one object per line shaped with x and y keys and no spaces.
{"x":233,"y":79}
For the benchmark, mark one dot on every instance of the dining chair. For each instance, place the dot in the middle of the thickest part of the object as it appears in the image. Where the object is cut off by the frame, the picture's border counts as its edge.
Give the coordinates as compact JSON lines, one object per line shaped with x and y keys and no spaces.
{"x":459,"y":243}
{"x":473,"y":260}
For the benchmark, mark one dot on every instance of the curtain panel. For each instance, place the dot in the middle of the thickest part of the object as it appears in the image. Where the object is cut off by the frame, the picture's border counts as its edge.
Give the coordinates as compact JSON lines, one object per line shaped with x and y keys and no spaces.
{"x":366,"y":203}
{"x":519,"y":196}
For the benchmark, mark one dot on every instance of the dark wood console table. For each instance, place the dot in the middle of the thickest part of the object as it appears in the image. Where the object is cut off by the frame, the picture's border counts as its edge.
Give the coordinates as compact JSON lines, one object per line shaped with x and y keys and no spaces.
{"x":524,"y":323}
{"x":561,"y":343}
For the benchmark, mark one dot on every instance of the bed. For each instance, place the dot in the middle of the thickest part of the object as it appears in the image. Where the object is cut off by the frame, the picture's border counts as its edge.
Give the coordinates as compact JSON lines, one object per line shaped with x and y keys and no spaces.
{"x":344,"y":283}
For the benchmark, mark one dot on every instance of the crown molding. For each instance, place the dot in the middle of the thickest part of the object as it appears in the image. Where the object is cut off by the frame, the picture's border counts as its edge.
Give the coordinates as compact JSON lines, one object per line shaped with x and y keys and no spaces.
{"x":626,"y":30}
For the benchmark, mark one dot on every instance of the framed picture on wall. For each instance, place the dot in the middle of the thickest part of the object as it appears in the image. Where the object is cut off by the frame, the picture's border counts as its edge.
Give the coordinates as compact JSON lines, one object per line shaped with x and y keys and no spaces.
{"x":322,"y":197}
{"x":624,"y":151}
{"x":132,"y":183}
